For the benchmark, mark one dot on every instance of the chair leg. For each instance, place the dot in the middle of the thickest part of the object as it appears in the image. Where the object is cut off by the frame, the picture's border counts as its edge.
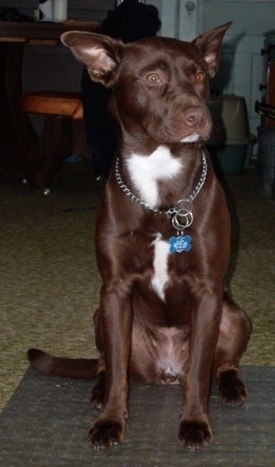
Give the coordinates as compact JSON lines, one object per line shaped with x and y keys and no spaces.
{"x":53,"y":146}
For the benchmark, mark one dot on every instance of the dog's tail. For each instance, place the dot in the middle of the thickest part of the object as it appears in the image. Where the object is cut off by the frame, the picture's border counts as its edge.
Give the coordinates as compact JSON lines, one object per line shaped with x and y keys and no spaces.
{"x":80,"y":368}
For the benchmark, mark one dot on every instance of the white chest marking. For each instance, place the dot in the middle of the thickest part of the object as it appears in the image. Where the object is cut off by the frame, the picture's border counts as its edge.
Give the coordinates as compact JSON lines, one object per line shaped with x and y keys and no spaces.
{"x":146,"y":171}
{"x":161,"y":277}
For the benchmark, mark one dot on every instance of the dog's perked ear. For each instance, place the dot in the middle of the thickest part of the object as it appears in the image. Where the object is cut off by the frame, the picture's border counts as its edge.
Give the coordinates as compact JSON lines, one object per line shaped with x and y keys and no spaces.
{"x":210,"y":45}
{"x":100,"y":54}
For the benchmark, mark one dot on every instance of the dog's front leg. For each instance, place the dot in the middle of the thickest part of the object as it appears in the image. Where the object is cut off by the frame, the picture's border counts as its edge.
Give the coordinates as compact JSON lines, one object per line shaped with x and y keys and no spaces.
{"x":195,"y":431}
{"x":116,"y":328}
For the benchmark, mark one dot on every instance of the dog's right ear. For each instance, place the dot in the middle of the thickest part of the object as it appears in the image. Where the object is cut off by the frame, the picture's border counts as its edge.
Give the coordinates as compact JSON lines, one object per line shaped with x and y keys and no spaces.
{"x":100,"y":54}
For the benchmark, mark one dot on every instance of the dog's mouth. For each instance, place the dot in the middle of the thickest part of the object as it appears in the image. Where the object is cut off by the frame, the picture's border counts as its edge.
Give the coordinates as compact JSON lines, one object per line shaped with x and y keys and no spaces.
{"x":191,"y":126}
{"x":181,"y":134}
{"x":166,"y":137}
{"x":196,"y":124}
{"x":191,"y":138}
{"x":196,"y":135}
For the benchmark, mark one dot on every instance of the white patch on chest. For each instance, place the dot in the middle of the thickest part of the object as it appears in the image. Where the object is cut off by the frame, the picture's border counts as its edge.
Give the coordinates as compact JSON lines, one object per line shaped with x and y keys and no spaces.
{"x":147,"y":171}
{"x":160,"y":263}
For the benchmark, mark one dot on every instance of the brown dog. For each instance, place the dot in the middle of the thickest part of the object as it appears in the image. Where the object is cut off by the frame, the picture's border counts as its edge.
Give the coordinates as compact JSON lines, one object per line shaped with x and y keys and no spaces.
{"x":162,"y":239}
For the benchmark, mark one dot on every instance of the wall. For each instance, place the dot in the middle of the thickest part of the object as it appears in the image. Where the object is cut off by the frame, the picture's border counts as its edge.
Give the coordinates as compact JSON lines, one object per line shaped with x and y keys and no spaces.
{"x":241,"y":61}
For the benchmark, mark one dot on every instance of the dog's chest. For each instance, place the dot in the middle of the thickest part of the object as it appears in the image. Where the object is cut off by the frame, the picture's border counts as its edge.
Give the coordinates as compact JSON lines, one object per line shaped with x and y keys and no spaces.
{"x":160,"y":278}
{"x":146,"y":171}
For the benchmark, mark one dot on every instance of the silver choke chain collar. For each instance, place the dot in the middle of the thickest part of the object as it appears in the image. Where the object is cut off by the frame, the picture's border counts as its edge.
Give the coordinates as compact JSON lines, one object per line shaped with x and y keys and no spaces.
{"x":181,"y":215}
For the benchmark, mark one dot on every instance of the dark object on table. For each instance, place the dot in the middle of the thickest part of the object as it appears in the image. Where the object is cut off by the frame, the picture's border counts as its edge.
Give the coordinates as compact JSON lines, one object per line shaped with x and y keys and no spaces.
{"x":11,"y":14}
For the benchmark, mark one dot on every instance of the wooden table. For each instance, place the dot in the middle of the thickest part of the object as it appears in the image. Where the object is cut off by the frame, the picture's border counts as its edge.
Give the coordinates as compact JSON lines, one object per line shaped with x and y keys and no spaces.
{"x":16,"y":130}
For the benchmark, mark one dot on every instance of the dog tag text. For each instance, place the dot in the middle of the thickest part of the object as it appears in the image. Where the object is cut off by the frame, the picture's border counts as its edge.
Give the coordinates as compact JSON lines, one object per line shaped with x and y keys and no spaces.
{"x":180,"y":243}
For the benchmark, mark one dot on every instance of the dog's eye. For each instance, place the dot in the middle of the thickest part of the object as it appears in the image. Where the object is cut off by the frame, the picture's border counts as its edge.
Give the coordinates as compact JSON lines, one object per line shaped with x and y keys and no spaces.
{"x":153,"y":78}
{"x":199,"y":77}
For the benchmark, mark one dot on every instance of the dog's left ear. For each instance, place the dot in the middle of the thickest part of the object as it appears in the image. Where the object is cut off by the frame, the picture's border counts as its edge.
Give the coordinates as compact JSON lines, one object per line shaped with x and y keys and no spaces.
{"x":210,"y":45}
{"x":100,"y":54}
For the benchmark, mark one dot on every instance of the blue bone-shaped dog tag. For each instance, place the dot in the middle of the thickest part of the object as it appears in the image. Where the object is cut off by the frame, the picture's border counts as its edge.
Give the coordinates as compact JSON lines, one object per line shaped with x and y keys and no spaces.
{"x":180,"y":243}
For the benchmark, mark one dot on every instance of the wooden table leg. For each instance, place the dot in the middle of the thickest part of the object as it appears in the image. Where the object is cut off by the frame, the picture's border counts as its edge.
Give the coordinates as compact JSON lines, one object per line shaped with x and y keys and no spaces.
{"x":16,"y":131}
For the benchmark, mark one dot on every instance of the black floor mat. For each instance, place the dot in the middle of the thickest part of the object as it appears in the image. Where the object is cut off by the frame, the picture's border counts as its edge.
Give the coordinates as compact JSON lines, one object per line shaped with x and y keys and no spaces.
{"x":46,"y":422}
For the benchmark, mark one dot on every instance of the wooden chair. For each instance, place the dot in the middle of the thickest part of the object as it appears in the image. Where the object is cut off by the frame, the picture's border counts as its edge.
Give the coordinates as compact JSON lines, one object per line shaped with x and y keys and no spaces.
{"x":54,"y":144}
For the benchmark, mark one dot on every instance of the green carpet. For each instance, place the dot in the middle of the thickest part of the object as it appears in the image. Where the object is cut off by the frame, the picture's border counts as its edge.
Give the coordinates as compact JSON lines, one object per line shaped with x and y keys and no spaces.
{"x":49,"y":281}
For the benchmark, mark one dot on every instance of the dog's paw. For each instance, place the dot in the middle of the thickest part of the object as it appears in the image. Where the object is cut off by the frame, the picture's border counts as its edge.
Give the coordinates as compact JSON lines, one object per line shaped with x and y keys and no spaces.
{"x":232,"y":390}
{"x":105,"y":433}
{"x":194,"y":434}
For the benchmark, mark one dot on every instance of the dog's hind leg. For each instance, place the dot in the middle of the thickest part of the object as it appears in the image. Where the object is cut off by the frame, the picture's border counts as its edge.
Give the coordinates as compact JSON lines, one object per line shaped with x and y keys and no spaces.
{"x":233,"y":338}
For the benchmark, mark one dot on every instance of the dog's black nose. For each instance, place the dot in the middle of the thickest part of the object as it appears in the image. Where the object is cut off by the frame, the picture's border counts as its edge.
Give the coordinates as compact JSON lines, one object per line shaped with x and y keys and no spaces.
{"x":195,"y":117}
